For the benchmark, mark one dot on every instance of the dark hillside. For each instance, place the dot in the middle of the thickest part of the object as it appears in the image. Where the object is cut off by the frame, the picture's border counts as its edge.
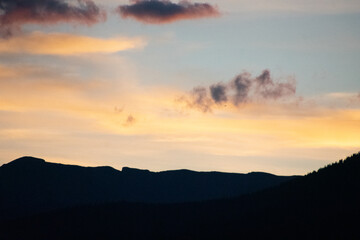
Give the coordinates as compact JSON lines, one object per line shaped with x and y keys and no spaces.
{"x":320,"y":205}
{"x":30,"y":185}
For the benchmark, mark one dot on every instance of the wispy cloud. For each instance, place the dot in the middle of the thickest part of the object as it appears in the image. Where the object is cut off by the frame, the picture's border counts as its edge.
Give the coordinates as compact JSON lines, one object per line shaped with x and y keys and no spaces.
{"x":242,"y":89}
{"x":338,"y":100}
{"x":164,"y":11}
{"x":66,"y":44}
{"x":130,"y":120}
{"x":15,"y":13}
{"x":199,"y":99}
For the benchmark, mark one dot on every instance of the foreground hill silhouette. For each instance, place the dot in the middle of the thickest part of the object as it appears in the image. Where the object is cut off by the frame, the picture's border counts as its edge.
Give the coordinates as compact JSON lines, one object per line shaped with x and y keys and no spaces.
{"x":322,"y":205}
{"x":30,"y":185}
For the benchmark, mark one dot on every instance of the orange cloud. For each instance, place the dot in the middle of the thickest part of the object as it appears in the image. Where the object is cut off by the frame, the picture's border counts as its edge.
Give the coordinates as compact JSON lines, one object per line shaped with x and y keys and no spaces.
{"x":66,"y":44}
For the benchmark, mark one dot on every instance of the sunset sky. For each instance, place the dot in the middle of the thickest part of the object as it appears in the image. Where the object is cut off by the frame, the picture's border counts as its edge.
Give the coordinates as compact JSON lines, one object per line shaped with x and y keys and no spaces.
{"x":230,"y":85}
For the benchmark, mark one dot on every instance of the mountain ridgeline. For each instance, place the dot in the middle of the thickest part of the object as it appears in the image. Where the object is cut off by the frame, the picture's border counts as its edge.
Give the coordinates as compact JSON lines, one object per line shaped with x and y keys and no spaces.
{"x":321,"y":205}
{"x":30,"y":185}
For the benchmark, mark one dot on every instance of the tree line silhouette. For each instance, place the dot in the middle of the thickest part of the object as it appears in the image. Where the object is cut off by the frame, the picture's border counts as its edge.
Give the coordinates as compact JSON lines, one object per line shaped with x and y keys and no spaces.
{"x":321,"y":205}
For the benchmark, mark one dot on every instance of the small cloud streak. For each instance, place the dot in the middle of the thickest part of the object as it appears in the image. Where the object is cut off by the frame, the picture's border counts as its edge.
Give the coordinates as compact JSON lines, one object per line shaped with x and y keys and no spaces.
{"x":66,"y":44}
{"x":339,"y":100}
{"x":242,"y":89}
{"x":119,"y":109}
{"x":269,"y":89}
{"x":15,"y":13}
{"x":164,"y":11}
{"x":130,"y":120}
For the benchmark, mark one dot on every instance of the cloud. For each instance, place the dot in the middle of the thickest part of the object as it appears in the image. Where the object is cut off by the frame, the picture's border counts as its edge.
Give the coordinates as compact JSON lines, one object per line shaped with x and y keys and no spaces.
{"x":15,"y":13}
{"x":199,"y":99}
{"x":241,"y":84}
{"x":242,"y":89}
{"x":119,"y":109}
{"x":271,"y":90}
{"x":338,"y":100}
{"x":130,"y":120}
{"x":218,"y":92}
{"x":164,"y":11}
{"x":66,"y":44}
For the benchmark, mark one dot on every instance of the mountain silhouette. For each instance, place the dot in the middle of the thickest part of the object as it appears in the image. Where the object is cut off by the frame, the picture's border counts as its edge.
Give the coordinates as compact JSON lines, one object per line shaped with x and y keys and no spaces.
{"x":321,"y":205}
{"x":31,"y":185}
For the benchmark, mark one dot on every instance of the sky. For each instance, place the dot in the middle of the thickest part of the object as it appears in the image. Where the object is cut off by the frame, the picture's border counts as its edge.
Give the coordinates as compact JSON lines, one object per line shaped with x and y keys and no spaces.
{"x":231,"y":85}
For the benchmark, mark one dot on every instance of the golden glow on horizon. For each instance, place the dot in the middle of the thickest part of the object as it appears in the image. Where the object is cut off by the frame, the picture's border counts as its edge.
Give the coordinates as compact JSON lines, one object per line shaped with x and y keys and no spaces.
{"x":86,"y":95}
{"x":158,"y":114}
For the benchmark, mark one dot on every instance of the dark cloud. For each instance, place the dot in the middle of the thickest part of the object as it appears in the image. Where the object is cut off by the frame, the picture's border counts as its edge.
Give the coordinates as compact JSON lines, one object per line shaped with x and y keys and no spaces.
{"x":243,"y":88}
{"x":164,"y":11}
{"x":241,"y":84}
{"x":218,"y":93}
{"x":15,"y":13}
{"x":264,"y":78}
{"x":269,"y":89}
{"x":278,"y":90}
